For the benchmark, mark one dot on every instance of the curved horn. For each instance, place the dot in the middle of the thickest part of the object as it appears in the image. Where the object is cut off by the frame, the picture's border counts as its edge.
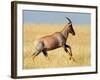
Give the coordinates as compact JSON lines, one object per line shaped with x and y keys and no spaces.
{"x":69,"y":20}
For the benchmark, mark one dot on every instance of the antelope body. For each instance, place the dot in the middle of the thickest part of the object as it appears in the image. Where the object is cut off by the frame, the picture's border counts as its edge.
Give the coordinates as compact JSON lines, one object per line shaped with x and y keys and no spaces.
{"x":55,"y":40}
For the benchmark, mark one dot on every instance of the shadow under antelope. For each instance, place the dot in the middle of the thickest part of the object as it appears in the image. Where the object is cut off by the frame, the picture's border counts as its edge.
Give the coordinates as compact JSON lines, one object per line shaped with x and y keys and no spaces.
{"x":55,"y":40}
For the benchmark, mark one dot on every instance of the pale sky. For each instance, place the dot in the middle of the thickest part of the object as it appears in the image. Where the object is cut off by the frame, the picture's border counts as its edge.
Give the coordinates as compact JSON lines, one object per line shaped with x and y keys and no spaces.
{"x":53,"y":17}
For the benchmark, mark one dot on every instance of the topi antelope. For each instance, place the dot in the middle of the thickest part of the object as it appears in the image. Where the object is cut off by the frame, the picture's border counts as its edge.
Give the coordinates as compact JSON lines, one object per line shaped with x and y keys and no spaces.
{"x":56,"y":40}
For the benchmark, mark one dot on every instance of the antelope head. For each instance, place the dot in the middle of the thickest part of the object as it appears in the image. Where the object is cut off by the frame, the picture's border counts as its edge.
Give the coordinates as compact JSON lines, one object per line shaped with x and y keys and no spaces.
{"x":70,"y":26}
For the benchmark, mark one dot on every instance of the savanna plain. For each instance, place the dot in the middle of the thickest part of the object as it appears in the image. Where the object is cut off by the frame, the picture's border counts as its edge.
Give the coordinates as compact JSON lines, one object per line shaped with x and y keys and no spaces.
{"x":57,"y":58}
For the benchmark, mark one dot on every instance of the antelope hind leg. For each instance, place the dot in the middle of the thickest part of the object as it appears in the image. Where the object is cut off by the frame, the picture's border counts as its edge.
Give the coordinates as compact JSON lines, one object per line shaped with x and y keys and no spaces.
{"x":35,"y":54}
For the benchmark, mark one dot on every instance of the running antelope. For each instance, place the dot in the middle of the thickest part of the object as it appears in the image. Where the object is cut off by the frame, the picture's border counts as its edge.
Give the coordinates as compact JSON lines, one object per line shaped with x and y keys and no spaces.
{"x":55,"y":40}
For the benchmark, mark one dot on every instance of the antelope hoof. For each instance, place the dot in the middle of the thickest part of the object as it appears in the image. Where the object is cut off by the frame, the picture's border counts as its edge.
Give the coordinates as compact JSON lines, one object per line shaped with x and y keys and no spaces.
{"x":72,"y":59}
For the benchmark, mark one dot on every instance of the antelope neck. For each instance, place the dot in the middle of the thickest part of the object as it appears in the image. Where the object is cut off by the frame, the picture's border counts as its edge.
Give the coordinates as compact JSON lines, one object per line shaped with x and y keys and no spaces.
{"x":65,"y":33}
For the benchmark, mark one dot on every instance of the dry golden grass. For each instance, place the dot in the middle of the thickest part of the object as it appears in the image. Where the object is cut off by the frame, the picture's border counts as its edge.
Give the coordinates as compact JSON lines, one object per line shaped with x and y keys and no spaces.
{"x":80,"y":44}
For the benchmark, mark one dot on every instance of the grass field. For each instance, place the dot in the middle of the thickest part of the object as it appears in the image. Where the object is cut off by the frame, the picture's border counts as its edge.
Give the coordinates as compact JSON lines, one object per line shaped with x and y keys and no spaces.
{"x":80,"y":44}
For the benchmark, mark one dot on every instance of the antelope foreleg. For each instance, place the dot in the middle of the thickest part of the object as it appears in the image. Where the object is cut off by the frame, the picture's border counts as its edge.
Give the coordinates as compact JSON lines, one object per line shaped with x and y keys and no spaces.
{"x":45,"y":54}
{"x":70,"y":53}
